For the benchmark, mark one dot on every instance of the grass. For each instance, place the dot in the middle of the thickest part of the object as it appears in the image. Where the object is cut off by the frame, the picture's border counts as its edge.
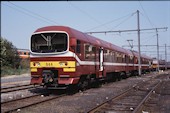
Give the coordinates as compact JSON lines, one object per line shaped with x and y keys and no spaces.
{"x":7,"y":71}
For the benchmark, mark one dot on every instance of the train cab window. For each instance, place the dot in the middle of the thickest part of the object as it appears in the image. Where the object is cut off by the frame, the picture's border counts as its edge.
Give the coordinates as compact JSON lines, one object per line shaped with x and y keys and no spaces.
{"x":49,"y":42}
{"x":78,"y":47}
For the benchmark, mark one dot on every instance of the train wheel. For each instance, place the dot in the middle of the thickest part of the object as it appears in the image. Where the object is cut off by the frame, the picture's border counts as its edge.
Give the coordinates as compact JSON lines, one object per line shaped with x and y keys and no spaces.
{"x":83,"y":84}
{"x":123,"y":75}
{"x":95,"y":84}
{"x":72,"y":89}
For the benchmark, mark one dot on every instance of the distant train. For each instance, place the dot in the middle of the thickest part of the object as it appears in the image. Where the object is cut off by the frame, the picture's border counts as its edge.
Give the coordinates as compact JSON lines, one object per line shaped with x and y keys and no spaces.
{"x":23,"y":53}
{"x":61,"y":56}
{"x":162,"y":64}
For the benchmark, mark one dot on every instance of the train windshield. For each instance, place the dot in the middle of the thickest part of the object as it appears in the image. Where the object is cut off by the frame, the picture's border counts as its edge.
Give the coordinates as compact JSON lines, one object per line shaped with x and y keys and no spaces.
{"x":49,"y":42}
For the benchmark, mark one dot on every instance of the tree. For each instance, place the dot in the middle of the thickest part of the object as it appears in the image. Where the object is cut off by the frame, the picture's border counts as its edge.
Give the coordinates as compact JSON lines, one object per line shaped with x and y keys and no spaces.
{"x":9,"y":54}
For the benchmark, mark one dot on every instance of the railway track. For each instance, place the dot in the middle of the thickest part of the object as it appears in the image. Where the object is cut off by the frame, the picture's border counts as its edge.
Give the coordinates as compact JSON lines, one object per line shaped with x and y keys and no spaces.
{"x":18,"y":104}
{"x":17,"y":88}
{"x":129,"y":101}
{"x":159,"y":101}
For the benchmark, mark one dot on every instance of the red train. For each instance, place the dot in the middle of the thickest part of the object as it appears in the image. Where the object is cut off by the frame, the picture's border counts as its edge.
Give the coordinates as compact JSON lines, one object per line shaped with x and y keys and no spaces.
{"x":162,"y":64}
{"x":61,"y":56}
{"x":23,"y":53}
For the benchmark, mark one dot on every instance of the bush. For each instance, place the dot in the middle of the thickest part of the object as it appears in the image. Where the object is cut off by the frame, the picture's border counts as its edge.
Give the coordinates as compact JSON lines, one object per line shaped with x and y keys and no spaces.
{"x":11,"y":63}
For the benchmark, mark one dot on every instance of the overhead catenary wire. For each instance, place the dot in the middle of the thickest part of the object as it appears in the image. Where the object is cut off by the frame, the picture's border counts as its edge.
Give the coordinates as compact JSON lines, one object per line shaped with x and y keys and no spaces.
{"x":30,"y":13}
{"x":149,"y":38}
{"x":26,"y":13}
{"x":98,"y":22}
{"x":123,"y":21}
{"x":146,"y":15}
{"x":109,"y":22}
{"x":84,"y":12}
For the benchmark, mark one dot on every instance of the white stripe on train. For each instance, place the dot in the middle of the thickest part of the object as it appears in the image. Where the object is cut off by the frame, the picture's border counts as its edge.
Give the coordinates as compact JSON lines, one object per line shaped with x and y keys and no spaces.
{"x":71,"y":54}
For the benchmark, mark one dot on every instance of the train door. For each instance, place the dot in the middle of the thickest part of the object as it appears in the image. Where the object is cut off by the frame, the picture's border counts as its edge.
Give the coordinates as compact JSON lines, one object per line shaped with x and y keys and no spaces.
{"x":101,"y":62}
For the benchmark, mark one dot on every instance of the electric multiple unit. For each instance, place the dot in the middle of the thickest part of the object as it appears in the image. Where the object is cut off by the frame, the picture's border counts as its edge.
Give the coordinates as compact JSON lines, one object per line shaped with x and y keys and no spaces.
{"x":61,"y":56}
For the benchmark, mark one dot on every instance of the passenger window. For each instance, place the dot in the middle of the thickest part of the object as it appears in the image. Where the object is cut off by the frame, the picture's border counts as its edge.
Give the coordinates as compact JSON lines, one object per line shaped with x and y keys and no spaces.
{"x":87,"y":52}
{"x":90,"y":51}
{"x":113,"y":56}
{"x":78,"y":48}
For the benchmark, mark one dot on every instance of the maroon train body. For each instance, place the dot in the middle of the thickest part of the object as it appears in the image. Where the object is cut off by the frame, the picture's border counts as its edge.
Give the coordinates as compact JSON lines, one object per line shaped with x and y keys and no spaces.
{"x":62,"y":56}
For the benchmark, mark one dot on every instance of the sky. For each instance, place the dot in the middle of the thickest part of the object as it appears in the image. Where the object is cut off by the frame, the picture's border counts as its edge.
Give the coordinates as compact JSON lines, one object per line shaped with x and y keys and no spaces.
{"x":20,"y":19}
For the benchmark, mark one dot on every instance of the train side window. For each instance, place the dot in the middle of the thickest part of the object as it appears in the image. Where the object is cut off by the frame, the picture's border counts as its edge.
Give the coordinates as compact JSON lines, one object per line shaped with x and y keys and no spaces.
{"x":90,"y":51}
{"x":127,"y":59}
{"x":117,"y":57}
{"x":110,"y":56}
{"x":97,"y":53}
{"x":105,"y":54}
{"x":87,"y":52}
{"x":93,"y":52}
{"x":113,"y":56}
{"x":131,"y":59}
{"x":78,"y":48}
{"x":123,"y":58}
{"x":94,"y":49}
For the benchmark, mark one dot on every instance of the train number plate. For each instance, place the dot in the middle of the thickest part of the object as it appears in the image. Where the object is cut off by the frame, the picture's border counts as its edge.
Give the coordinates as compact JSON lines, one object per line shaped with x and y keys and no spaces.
{"x":49,"y":64}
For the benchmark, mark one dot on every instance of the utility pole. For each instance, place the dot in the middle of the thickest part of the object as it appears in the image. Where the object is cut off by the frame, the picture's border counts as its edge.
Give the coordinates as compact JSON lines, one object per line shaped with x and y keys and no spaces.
{"x":138,"y":31}
{"x":165,"y":58}
{"x":139,"y":57}
{"x":157,"y":49}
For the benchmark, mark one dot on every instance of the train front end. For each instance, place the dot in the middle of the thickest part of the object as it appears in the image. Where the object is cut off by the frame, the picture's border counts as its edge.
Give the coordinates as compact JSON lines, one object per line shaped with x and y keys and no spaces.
{"x":52,"y":63}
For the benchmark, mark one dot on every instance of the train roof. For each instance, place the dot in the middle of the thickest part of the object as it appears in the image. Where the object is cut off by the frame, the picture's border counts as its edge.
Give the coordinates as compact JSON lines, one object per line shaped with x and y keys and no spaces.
{"x":142,"y":55}
{"x":88,"y":38}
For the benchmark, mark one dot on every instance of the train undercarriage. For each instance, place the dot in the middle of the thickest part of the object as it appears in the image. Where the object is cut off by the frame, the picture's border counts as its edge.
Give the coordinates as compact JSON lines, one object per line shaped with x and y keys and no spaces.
{"x":50,"y":79}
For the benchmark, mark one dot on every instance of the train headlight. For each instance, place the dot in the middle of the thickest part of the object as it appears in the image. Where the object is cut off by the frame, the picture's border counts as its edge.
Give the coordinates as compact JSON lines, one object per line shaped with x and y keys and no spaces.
{"x":63,"y":63}
{"x":36,"y":64}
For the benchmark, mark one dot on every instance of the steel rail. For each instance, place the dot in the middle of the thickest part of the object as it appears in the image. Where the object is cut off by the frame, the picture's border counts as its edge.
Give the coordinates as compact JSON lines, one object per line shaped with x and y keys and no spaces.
{"x":8,"y":101}
{"x":139,"y":107}
{"x":11,"y":89}
{"x":34,"y":103}
{"x":14,"y":86}
{"x":114,"y":98}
